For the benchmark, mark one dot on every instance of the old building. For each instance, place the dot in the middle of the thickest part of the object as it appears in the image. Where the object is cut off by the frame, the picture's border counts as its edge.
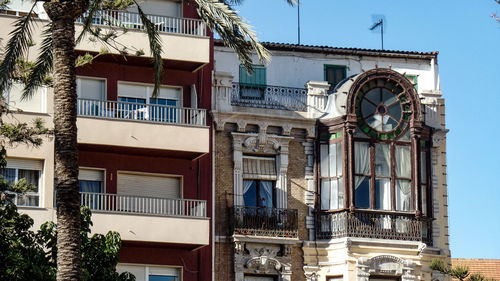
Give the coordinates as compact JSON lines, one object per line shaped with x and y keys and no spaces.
{"x":330,"y":164}
{"x":145,"y":162}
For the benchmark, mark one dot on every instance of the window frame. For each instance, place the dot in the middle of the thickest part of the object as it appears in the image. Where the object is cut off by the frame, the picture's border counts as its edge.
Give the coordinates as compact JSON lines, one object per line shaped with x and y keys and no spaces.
{"x":103,"y":170}
{"x":326,"y":67}
{"x":38,"y":193}
{"x":337,"y":139}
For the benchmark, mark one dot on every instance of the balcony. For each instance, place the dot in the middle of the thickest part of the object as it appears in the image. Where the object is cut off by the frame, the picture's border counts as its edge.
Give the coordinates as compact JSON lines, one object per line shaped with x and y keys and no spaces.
{"x":184,"y":39}
{"x":181,"y":221}
{"x":149,"y":126}
{"x":271,"y":97}
{"x":268,"y":222}
{"x":378,"y":225}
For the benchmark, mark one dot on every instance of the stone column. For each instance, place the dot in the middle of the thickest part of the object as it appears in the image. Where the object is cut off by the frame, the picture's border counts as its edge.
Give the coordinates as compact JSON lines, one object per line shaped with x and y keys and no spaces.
{"x":281,"y":183}
{"x":416,"y":135}
{"x":310,"y":196}
{"x":222,"y":89}
{"x":351,"y":123}
{"x":238,"y":171}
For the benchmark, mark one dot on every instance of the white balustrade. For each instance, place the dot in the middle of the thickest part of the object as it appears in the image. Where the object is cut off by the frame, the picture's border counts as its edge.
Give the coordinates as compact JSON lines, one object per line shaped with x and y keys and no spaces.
{"x":142,"y":112}
{"x":125,"y":19}
{"x":144,"y":205}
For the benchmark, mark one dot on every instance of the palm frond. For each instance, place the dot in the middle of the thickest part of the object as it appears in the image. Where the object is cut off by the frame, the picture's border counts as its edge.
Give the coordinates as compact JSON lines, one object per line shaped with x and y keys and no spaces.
{"x":87,"y":22}
{"x":43,"y":65}
{"x":233,"y":30}
{"x":17,"y":46}
{"x":154,"y":46}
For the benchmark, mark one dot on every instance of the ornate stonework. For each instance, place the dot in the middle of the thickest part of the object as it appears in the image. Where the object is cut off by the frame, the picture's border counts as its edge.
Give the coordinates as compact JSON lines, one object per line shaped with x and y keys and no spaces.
{"x":268,"y":259}
{"x":385,"y":265}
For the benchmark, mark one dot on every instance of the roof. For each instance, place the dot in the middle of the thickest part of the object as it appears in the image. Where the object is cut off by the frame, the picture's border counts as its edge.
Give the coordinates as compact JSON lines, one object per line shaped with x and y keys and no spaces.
{"x":343,"y":51}
{"x":489,"y":268}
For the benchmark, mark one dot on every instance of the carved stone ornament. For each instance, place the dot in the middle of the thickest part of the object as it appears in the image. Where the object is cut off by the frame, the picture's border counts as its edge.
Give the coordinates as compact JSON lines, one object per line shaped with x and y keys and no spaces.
{"x":385,"y":265}
{"x":262,"y":259}
{"x":438,"y":136}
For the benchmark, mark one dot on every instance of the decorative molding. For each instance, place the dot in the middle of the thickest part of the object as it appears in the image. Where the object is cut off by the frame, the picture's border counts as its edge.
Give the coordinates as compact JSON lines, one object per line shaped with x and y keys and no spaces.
{"x":263,"y":259}
{"x":385,"y":265}
{"x":438,"y":136}
{"x":311,"y":272}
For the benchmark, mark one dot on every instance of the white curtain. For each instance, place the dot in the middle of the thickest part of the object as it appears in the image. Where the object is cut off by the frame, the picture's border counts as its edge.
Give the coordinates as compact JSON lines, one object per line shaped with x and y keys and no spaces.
{"x":266,"y":193}
{"x":383,"y":168}
{"x":384,"y":193}
{"x":361,"y":161}
{"x":325,"y":194}
{"x":403,"y":170}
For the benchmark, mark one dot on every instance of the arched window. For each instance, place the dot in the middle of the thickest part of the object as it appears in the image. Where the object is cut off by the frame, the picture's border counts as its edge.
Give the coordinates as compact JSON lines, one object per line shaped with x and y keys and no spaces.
{"x":375,"y":156}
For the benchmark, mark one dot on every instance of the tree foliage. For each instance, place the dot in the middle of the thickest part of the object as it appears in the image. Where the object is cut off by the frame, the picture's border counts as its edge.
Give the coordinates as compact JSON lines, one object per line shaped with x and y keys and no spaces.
{"x":459,"y":272}
{"x":29,"y":255}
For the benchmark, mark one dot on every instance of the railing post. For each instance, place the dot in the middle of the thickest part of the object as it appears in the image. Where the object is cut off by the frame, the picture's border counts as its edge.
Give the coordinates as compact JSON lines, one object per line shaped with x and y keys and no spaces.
{"x":317,"y":97}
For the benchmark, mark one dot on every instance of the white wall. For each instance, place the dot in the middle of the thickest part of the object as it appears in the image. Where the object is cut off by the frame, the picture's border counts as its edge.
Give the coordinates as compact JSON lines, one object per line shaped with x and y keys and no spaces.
{"x":295,"y":69}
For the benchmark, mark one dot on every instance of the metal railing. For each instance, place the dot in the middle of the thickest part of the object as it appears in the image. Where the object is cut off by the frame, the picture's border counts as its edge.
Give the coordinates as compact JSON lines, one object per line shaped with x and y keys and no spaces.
{"x":265,"y":96}
{"x":130,"y":20}
{"x":142,"y":112}
{"x":257,"y":221}
{"x":118,"y":203}
{"x":373,"y":225}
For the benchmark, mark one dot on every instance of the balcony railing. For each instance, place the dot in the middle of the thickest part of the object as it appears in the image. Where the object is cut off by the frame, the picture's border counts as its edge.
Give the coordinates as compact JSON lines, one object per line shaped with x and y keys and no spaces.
{"x":273,"y":97}
{"x":129,"y":20}
{"x":128,"y":204}
{"x":373,"y":225}
{"x":142,"y":112}
{"x":271,"y":222}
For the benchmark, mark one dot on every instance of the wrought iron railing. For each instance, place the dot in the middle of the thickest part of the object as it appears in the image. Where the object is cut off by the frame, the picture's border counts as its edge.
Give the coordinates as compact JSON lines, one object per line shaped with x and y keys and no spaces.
{"x":373,"y":225}
{"x":129,"y":20}
{"x":142,"y":112}
{"x":271,"y":222}
{"x":118,"y":203}
{"x":265,"y":96}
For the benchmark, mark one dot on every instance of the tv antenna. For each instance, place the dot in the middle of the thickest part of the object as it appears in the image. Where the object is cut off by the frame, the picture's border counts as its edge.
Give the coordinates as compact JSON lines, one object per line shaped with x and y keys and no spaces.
{"x":378,"y":23}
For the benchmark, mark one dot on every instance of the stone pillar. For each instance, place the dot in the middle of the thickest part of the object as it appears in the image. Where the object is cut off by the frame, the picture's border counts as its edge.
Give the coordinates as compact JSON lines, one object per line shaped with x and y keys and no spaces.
{"x":416,"y":135}
{"x":362,"y":269}
{"x":317,"y":97}
{"x":281,"y":183}
{"x":310,"y":196}
{"x":351,"y":123}
{"x":222,"y":90}
{"x":238,"y":171}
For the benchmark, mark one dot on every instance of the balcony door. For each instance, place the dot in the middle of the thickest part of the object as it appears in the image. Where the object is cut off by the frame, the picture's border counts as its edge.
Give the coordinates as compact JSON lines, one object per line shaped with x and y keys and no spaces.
{"x":259,"y":181}
{"x":91,"y":94}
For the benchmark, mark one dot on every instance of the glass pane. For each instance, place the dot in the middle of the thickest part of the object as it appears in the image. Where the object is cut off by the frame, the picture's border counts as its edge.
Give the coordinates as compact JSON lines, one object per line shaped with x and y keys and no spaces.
{"x":325,"y":194}
{"x":90,"y":186}
{"x":382,"y":160}
{"x":162,"y":278}
{"x":388,"y":98}
{"x":323,"y":151}
{"x":339,"y":159}
{"x":395,"y":111}
{"x":383,"y":194}
{"x":31,"y":177}
{"x":403,"y":195}
{"x":334,"y":200}
{"x":333,"y":160}
{"x":403,"y":161}
{"x":9,"y":175}
{"x":341,"y":193}
{"x":424,"y":199}
{"x":373,"y":96}
{"x":362,"y":192}
{"x":266,"y":194}
{"x":367,"y":108}
{"x":362,"y":158}
{"x":250,"y":193}
{"x":423,"y":167}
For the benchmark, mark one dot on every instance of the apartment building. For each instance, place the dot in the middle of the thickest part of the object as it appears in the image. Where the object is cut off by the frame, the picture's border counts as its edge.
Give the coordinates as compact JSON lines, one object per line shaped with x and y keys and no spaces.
{"x":145,"y":162}
{"x":330,"y":164}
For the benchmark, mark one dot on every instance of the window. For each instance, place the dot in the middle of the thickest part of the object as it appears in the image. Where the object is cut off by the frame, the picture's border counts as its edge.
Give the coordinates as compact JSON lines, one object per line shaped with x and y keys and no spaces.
{"x":91,"y":183}
{"x":29,"y":170}
{"x":259,"y":180}
{"x":160,"y":186}
{"x":36,"y":103}
{"x":91,"y":88}
{"x":252,"y":85}
{"x":331,"y":173}
{"x":151,"y":273}
{"x":414,"y":80}
{"x":334,"y":74}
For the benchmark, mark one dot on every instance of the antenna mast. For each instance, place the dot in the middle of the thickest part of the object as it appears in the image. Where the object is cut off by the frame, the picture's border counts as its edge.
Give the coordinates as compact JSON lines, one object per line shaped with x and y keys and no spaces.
{"x":380,"y":23}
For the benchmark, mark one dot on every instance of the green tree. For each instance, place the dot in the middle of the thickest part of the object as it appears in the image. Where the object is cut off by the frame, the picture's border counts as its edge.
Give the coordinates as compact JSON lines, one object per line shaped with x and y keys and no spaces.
{"x":57,"y":56}
{"x":459,"y":272}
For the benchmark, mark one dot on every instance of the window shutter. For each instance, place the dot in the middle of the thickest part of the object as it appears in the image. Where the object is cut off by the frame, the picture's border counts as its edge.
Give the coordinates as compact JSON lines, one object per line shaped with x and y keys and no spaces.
{"x":147,"y":185}
{"x":90,"y":88}
{"x":91,"y":175}
{"x":257,"y":78}
{"x":25,"y":164}
{"x":263,"y":168}
{"x":132,"y":90}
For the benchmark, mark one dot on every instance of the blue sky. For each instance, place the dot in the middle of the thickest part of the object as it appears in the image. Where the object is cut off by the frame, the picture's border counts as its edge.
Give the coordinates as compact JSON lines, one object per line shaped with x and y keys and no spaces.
{"x":468,"y":40}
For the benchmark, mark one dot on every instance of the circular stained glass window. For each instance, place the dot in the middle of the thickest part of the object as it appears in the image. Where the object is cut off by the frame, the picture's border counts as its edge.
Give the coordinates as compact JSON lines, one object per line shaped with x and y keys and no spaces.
{"x":383,"y":109}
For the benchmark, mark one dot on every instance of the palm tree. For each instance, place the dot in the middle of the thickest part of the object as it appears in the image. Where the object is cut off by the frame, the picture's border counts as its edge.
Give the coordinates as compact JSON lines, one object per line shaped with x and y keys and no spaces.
{"x":57,"y":55}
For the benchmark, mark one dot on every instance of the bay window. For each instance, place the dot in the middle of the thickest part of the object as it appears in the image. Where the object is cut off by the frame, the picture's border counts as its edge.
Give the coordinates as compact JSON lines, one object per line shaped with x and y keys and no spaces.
{"x":331,"y":174}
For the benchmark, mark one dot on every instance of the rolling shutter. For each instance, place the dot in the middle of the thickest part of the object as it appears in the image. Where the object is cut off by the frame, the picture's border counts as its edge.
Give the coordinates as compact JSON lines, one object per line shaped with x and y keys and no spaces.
{"x":259,"y":168}
{"x":24,"y":164}
{"x":148,"y":185}
{"x":91,"y":175}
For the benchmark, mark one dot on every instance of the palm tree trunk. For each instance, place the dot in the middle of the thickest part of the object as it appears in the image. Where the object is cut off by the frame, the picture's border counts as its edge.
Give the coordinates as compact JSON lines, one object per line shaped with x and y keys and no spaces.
{"x":63,"y":15}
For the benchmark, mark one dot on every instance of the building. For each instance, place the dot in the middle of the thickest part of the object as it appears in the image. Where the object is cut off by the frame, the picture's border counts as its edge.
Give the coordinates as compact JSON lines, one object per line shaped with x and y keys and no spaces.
{"x":145,"y":162}
{"x":330,"y":164}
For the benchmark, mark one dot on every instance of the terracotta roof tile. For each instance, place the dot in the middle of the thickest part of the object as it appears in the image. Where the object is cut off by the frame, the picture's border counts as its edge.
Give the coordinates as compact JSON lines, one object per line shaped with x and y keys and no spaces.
{"x":489,"y":268}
